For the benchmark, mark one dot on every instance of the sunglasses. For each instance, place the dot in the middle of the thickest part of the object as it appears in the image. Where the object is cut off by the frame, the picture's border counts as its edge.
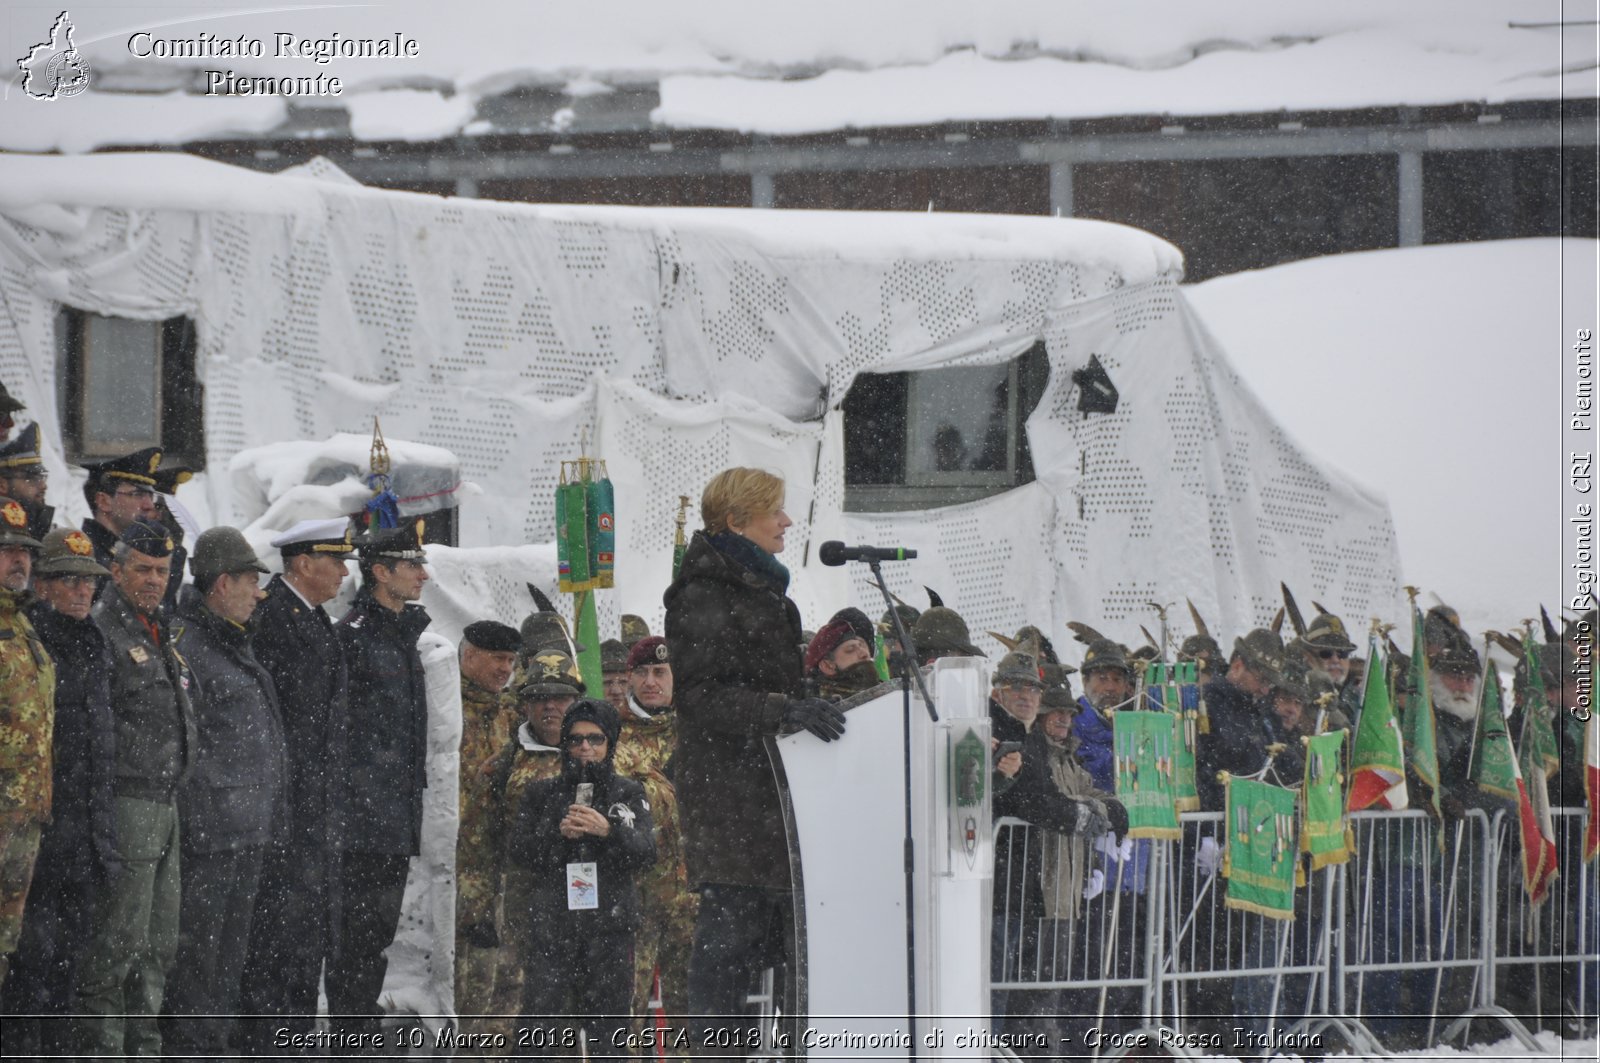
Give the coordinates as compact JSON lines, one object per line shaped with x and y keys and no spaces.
{"x":586,"y":740}
{"x":1328,"y":655}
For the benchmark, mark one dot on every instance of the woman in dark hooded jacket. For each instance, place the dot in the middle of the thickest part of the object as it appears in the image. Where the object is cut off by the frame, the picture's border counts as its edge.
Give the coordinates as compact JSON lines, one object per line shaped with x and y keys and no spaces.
{"x":584,"y":836}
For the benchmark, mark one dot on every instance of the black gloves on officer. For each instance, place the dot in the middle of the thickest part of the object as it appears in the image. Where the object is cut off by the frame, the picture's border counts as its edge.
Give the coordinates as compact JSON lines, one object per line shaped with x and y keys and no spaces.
{"x":814,"y":715}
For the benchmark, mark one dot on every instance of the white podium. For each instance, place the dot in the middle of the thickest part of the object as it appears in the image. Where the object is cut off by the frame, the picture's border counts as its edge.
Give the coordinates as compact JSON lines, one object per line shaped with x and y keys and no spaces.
{"x":845,"y":811}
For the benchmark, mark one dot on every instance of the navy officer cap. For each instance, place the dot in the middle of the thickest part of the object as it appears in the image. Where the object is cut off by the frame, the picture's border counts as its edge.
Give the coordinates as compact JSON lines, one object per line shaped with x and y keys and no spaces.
{"x":388,"y":545}
{"x":149,"y":538}
{"x":493,"y":636}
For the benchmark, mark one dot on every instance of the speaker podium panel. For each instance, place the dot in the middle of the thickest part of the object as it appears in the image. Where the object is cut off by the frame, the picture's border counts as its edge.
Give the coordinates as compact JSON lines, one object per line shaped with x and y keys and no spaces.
{"x":845,"y":810}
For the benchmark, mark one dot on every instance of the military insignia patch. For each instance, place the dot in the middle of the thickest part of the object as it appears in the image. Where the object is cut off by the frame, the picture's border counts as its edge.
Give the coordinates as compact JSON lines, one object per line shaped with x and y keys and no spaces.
{"x":169,"y":544}
{"x":14,"y":515}
{"x":79,"y":544}
{"x":139,"y":654}
{"x":661,"y":652}
{"x":155,"y":459}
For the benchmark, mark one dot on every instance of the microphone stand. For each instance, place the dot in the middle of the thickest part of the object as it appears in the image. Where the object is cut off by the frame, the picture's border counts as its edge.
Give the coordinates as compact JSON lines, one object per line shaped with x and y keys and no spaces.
{"x":908,"y":672}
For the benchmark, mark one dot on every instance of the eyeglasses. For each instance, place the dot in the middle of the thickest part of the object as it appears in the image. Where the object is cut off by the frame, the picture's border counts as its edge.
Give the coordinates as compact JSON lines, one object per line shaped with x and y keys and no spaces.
{"x":1328,"y":655}
{"x":586,"y":740}
{"x":134,"y":492}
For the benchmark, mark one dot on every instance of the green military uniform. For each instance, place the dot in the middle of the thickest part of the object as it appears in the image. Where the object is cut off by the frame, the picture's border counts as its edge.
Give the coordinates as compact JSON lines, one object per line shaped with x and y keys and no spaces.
{"x":27,"y":721}
{"x":488,"y":720}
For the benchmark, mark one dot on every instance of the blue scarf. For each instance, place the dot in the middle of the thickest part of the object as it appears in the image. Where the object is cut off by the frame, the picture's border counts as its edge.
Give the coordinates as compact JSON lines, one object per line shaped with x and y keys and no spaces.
{"x":736,"y":547}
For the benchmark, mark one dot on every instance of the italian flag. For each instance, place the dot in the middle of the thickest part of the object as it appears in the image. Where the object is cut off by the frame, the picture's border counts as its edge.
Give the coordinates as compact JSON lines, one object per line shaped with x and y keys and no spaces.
{"x":1538,"y":759}
{"x":1377,"y":767}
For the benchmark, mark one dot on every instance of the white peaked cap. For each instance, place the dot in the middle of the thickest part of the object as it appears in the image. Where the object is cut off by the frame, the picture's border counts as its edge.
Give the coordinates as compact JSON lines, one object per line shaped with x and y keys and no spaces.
{"x":313,"y":531}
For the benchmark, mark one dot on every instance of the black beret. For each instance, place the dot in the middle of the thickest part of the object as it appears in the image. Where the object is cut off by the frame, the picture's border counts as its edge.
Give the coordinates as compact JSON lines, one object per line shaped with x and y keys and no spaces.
{"x":149,"y":538}
{"x":493,"y":636}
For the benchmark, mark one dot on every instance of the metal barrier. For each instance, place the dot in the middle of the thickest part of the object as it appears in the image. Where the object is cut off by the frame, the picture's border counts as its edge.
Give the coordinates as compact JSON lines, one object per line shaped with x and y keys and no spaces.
{"x":1425,"y":920}
{"x":1545,"y":959}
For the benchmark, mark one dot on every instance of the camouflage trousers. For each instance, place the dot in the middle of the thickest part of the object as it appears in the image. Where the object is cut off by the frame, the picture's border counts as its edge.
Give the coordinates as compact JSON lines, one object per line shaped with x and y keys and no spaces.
{"x":475,"y":979}
{"x":19,"y":845}
{"x":489,"y":981}
{"x":663,"y":941}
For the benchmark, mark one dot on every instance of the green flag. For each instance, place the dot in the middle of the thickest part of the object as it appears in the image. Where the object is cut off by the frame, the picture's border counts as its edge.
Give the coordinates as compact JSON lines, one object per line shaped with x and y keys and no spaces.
{"x":1260,"y":859}
{"x":1377,"y":765}
{"x":1327,"y":835}
{"x":1173,"y":687}
{"x":1493,"y":764}
{"x":1142,"y":743}
{"x":1422,"y":751}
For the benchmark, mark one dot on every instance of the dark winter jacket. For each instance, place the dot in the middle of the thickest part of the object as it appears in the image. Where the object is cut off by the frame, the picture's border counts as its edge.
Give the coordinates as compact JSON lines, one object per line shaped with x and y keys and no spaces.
{"x":235,"y":797}
{"x":1034,"y":797}
{"x":156,"y":737}
{"x":1236,"y":743}
{"x":81,"y":835}
{"x":736,"y":662}
{"x":299,"y":648}
{"x":388,"y":727}
{"x":536,"y":844}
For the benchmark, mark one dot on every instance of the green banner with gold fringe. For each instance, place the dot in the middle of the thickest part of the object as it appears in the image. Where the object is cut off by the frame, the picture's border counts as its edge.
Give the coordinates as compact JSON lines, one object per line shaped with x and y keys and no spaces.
{"x":1143,"y":745}
{"x":1259,"y":862}
{"x":1326,"y":834}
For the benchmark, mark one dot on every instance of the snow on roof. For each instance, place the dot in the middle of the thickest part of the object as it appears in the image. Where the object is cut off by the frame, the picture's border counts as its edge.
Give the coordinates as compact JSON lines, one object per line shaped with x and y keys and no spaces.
{"x":1397,"y":367}
{"x":784,"y":68}
{"x":38,"y":187}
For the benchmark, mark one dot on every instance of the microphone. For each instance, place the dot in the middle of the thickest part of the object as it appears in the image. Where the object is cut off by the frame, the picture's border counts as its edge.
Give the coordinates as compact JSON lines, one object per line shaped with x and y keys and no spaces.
{"x":836,"y":553}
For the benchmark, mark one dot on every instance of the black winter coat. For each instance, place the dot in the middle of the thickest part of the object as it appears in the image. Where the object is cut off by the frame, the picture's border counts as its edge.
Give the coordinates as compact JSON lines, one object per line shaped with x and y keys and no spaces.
{"x":388,"y":727}
{"x":1236,"y":742}
{"x":736,"y":662}
{"x":537,"y":845}
{"x":299,"y":648}
{"x":235,"y":797}
{"x":81,"y":836}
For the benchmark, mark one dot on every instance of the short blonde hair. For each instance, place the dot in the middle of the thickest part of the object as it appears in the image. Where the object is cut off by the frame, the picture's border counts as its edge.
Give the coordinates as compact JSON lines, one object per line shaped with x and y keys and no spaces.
{"x":738,"y":496}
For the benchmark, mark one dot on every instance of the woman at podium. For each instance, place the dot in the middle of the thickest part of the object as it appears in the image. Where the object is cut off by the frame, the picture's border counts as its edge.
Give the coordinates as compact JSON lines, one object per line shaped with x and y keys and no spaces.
{"x":735,"y":638}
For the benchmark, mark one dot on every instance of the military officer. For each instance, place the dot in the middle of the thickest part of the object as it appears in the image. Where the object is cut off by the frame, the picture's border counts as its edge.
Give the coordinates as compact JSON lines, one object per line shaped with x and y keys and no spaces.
{"x":614,"y":671}
{"x":294,"y":928}
{"x":487,"y":888}
{"x":27,"y":719}
{"x":839,"y":660}
{"x":23,"y":476}
{"x":77,"y":850}
{"x":488,"y":719}
{"x":233,"y":802}
{"x":120,"y":491}
{"x":122,"y":979}
{"x":667,"y":905}
{"x":387,"y":766}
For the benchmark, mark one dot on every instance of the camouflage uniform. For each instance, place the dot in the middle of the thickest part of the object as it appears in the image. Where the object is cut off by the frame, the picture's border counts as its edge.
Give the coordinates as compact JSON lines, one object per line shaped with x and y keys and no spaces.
{"x":488,"y":720}
{"x":667,"y":906}
{"x":494,"y":787}
{"x":27,"y":722}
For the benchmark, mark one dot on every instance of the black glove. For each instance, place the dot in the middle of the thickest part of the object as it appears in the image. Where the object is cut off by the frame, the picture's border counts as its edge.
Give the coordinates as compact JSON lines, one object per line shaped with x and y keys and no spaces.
{"x":814,"y":715}
{"x":481,"y":935}
{"x":1118,"y":815}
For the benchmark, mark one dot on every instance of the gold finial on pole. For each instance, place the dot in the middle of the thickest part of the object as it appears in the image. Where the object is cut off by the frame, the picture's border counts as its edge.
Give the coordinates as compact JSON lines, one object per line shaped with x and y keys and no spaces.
{"x":379,"y":459}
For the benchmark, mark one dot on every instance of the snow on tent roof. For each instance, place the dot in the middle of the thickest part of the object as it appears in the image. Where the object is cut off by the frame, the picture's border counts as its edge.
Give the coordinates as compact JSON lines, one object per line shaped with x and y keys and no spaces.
{"x":680,"y":342}
{"x":783,"y":68}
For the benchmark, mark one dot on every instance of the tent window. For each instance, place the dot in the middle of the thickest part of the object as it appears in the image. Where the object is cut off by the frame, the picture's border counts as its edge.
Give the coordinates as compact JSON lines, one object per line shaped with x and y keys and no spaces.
{"x":940,"y":436}
{"x":129,"y":384}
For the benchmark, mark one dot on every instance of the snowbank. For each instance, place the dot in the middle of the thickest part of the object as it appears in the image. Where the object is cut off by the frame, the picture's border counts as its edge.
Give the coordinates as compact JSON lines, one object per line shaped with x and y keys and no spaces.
{"x":1432,"y":374}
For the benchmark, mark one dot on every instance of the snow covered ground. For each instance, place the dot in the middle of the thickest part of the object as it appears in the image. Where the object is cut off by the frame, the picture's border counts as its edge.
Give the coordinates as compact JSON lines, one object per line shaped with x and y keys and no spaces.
{"x":1432,"y":375}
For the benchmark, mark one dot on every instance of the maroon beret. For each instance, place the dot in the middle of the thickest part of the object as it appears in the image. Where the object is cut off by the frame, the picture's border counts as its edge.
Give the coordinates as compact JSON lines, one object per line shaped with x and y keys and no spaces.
{"x":652,"y":650}
{"x":827,"y":640}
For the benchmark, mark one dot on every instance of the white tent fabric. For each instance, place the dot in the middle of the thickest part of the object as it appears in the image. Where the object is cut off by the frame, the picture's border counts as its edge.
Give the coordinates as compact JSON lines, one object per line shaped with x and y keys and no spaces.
{"x":675,"y":343}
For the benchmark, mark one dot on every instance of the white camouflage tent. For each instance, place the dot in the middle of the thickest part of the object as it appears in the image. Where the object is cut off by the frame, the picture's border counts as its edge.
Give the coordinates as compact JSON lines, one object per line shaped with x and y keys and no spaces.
{"x":678,"y":342}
